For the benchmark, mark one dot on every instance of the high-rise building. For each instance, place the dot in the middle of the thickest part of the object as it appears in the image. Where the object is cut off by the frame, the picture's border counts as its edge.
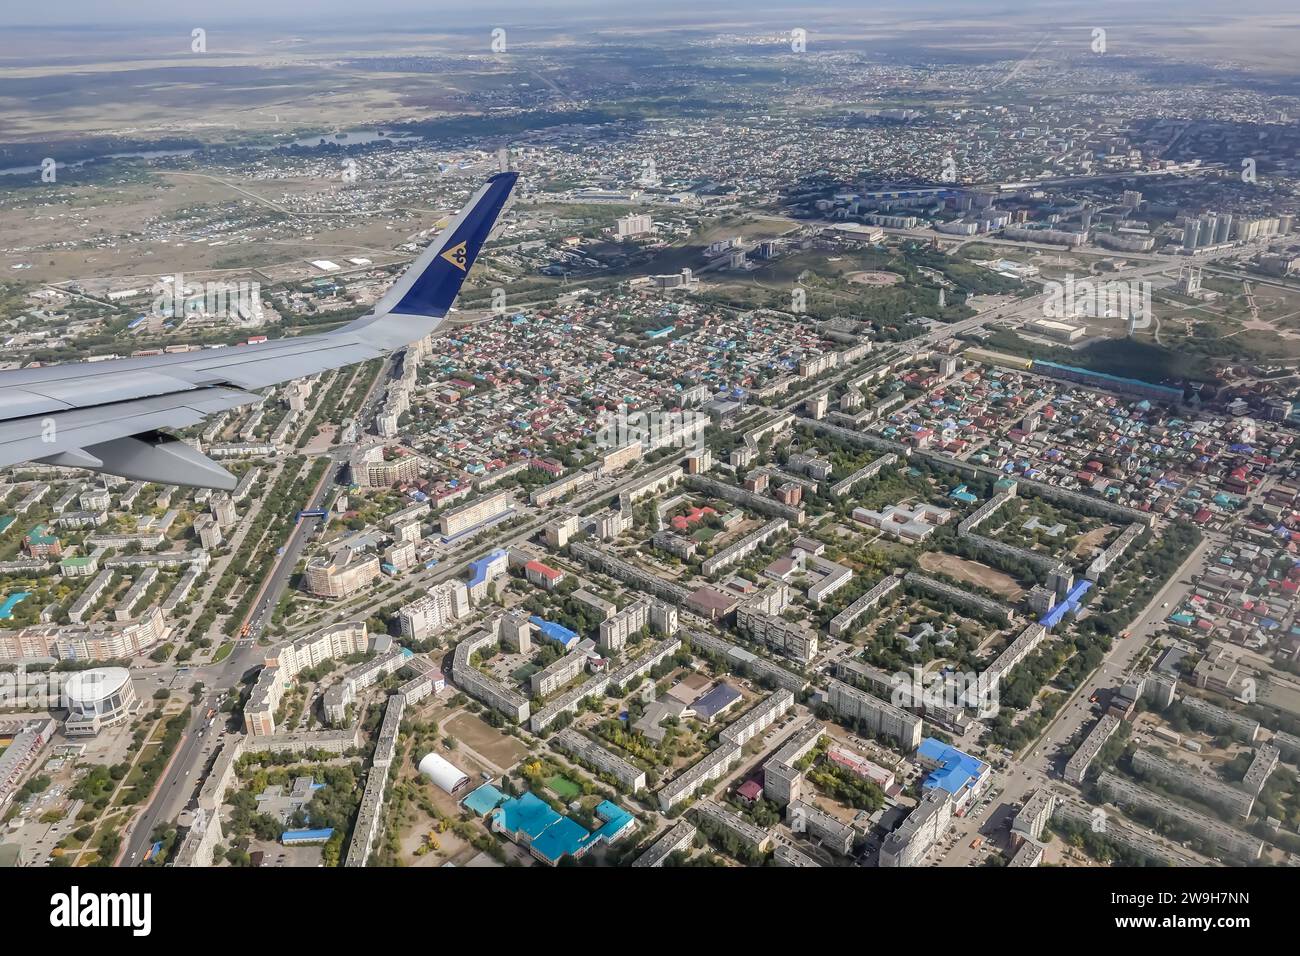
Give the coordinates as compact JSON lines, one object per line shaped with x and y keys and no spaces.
{"x":424,"y":617}
{"x":341,"y":575}
{"x":483,"y":571}
{"x":875,"y":715}
{"x":517,"y":631}
{"x":208,"y":530}
{"x":614,"y":633}
{"x":223,"y":509}
{"x":1209,"y":224}
{"x":924,"y":827}
{"x":1223,"y":232}
{"x":635,"y":226}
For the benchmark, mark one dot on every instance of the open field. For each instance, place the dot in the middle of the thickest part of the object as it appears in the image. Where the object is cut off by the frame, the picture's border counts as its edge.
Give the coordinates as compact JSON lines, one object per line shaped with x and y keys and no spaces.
{"x":973,"y":572}
{"x":503,"y":751}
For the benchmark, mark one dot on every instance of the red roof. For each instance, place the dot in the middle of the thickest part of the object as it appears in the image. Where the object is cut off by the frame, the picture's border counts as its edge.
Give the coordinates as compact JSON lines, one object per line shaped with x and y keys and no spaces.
{"x":545,"y":570}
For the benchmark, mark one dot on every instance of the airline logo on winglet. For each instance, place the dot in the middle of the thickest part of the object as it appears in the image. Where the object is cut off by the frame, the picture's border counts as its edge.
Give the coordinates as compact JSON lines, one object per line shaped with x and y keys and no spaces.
{"x":457,"y":256}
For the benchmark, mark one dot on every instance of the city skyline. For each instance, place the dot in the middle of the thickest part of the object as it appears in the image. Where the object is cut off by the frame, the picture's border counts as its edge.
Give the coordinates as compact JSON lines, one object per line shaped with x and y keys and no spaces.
{"x":511,"y":438}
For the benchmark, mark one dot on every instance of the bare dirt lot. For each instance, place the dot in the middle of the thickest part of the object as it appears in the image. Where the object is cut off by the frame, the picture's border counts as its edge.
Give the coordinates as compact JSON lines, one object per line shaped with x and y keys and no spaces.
{"x":503,"y":751}
{"x":1093,"y":539}
{"x":972,"y":571}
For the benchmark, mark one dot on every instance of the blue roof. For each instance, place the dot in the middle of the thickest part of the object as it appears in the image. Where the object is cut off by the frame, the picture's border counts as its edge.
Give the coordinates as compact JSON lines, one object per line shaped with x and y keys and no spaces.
{"x":554,"y":632}
{"x":1078,"y":591}
{"x":562,"y":838}
{"x":306,"y":836}
{"x":479,"y":568}
{"x":484,"y":800}
{"x":616,"y":819}
{"x":527,"y":814}
{"x":1054,"y":616}
{"x":1067,"y":606}
{"x":956,"y":771}
{"x":552,"y":835}
{"x":715,"y":701}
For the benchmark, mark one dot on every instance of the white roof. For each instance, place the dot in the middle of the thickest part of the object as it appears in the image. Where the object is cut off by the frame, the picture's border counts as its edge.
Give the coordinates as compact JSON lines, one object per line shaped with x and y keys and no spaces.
{"x":441,"y":772}
{"x":96,"y":684}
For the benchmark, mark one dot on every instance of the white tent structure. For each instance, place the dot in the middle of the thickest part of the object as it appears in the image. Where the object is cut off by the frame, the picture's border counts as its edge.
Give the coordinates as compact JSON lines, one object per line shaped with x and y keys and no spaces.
{"x":442,"y":773}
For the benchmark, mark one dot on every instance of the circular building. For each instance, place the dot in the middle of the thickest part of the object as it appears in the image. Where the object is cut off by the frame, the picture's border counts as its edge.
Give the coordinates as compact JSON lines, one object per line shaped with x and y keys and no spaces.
{"x":442,"y":773}
{"x":98,"y":698}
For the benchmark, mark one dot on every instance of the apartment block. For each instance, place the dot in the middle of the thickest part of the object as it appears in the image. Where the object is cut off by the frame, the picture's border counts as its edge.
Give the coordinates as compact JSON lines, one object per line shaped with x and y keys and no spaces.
{"x":759,"y":620}
{"x":708,"y":768}
{"x":678,"y":837}
{"x":925,"y":826}
{"x":341,"y":575}
{"x":748,"y":661}
{"x":845,"y":620}
{"x":1243,"y":728}
{"x":752,"y":836}
{"x":482,"y":509}
{"x":97,"y":641}
{"x":735,"y":553}
{"x":874,"y":715}
{"x":614,"y":633}
{"x":1194,"y":782}
{"x":567,"y":702}
{"x":1034,"y":815}
{"x":479,"y":685}
{"x":560,"y":672}
{"x":758,"y":718}
{"x":597,"y":758}
{"x":1082,"y":759}
{"x":820,"y":826}
{"x":782,"y":781}
{"x":1226,"y":839}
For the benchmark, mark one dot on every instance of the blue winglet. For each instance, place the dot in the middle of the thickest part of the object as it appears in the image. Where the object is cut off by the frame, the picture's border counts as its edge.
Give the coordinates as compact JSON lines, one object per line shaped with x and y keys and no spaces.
{"x":432,"y":291}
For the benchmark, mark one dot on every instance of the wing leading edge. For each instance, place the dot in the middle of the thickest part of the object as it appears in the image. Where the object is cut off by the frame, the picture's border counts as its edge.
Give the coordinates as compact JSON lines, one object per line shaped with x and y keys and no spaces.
{"x":106,"y":416}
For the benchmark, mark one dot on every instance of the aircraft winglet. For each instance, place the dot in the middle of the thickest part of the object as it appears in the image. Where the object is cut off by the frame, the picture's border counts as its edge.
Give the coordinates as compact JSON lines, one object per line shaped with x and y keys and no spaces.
{"x":430,"y":284}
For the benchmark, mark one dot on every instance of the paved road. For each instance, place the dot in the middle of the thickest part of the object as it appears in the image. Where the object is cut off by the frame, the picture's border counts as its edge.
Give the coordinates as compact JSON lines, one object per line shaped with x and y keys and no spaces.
{"x":179,"y":783}
{"x":1042,"y":762}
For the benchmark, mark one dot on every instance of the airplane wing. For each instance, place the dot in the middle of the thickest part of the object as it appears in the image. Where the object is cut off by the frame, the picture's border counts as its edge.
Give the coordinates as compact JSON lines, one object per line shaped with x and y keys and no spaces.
{"x":108,"y":416}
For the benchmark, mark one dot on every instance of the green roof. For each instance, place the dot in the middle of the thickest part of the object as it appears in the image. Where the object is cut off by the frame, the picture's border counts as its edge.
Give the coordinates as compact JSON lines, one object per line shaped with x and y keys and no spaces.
{"x":41,"y":535}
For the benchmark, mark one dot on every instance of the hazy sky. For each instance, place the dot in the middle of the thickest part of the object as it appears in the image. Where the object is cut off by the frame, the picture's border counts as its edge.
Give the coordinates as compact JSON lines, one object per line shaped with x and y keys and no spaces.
{"x":462,"y":13}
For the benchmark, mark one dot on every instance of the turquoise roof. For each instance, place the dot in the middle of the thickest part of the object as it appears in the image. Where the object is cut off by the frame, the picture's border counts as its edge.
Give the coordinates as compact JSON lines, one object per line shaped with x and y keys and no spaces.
{"x":554,"y":836}
{"x":484,"y":800}
{"x":562,"y":838}
{"x":527,"y":814}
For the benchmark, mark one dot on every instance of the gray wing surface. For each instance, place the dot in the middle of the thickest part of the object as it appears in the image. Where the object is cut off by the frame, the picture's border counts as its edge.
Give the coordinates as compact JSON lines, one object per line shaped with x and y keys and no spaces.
{"x":109,"y":415}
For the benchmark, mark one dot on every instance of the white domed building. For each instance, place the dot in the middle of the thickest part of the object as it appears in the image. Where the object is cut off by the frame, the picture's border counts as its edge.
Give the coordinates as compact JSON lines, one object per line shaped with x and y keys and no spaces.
{"x":443,"y":773}
{"x":98,"y":698}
